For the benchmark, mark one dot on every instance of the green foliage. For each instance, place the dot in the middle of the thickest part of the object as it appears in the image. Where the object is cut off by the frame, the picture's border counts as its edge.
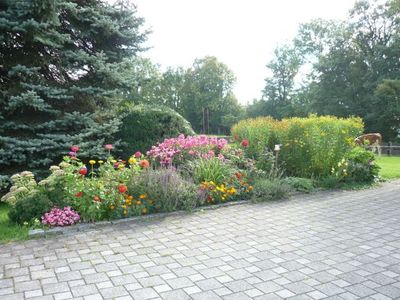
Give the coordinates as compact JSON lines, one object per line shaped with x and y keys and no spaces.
{"x":60,"y":66}
{"x":303,"y":185}
{"x":270,"y":189}
{"x":355,"y":70}
{"x":358,"y":165}
{"x":212,"y":169}
{"x":144,"y":126}
{"x":208,"y":100}
{"x":168,"y":189}
{"x":278,"y":90}
{"x":31,"y":207}
{"x":310,"y":146}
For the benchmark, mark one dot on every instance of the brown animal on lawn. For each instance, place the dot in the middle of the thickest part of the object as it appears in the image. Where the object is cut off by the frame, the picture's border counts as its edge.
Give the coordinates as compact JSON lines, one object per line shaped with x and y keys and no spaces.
{"x":372,"y":140}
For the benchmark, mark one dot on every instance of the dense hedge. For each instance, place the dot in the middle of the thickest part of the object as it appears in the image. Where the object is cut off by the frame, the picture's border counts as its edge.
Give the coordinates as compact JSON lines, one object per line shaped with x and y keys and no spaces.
{"x":143,"y":126}
{"x":310,"y":146}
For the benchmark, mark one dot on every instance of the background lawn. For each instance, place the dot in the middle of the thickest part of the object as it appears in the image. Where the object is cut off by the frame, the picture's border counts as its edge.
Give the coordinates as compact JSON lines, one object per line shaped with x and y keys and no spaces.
{"x":390,"y":166}
{"x":10,"y":231}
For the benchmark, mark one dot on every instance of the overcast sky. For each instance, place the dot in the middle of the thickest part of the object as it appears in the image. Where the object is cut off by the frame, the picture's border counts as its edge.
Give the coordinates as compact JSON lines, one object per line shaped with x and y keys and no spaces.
{"x":241,"y":34}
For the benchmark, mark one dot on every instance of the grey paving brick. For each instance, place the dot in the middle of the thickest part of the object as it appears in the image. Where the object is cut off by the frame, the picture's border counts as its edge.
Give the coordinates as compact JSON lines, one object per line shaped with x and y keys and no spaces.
{"x":328,"y":245}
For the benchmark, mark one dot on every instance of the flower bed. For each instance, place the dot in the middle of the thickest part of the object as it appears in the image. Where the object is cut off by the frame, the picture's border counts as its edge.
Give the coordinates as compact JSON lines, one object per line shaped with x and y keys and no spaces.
{"x":179,"y":173}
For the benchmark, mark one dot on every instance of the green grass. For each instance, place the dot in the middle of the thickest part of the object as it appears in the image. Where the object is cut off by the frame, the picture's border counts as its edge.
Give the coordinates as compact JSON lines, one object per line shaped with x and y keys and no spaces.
{"x":390,"y":166}
{"x":9,"y":231}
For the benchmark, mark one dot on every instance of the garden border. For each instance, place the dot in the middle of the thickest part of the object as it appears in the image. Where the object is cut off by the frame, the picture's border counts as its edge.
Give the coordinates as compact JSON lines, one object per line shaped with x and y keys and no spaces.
{"x":38,"y":233}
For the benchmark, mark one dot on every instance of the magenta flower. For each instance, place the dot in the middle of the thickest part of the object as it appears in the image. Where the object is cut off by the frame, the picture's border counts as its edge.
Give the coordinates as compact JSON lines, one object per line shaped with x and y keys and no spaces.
{"x":60,"y":217}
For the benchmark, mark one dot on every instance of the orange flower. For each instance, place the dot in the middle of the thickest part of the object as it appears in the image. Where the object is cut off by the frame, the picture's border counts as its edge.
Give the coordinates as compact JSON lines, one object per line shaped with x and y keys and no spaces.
{"x":138,"y":202}
{"x":144,"y":163}
{"x":143,"y":196}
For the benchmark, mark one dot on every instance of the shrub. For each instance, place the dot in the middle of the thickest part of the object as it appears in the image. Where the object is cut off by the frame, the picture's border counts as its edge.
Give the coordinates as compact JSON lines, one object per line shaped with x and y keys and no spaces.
{"x":304,"y":185}
{"x":167,"y":188}
{"x":144,"y":126}
{"x":31,"y":207}
{"x":23,"y":184}
{"x":310,"y":146}
{"x":270,"y":189}
{"x":358,"y":166}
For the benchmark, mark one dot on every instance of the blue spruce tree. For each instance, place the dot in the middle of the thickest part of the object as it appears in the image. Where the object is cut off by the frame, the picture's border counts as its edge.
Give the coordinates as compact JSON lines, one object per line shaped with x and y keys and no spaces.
{"x":61,"y":65}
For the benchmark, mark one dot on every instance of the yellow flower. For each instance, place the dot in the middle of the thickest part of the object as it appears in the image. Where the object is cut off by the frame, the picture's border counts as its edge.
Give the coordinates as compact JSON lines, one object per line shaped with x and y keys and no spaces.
{"x":232,"y":191}
{"x":113,"y":161}
{"x":138,"y":202}
{"x":132,"y":160}
{"x":112,"y":206}
{"x":100,"y":161}
{"x":92,"y":161}
{"x":125,"y":212}
{"x":144,"y":210}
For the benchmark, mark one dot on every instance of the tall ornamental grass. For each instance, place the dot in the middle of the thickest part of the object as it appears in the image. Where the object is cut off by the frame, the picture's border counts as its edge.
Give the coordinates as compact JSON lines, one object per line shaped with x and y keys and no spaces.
{"x":310,"y":146}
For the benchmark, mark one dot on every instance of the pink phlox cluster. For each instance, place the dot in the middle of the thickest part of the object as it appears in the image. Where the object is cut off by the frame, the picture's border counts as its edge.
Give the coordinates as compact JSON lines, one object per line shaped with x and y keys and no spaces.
{"x":194,"y":146}
{"x":60,"y":217}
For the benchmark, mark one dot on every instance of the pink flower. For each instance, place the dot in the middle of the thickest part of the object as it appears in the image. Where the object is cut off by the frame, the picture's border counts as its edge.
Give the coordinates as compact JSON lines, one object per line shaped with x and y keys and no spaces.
{"x":74,"y":148}
{"x":138,"y":154}
{"x":108,"y":147}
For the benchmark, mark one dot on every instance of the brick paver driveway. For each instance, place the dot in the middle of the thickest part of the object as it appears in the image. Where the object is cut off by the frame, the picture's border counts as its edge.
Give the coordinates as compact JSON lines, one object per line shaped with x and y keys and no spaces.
{"x":337,"y":245}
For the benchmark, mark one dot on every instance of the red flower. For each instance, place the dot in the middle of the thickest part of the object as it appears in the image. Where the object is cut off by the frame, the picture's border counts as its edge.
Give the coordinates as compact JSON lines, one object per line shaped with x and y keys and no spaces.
{"x":122,"y":188}
{"x":79,"y":194}
{"x":138,"y":154}
{"x":144,"y":163}
{"x":74,"y":148}
{"x":83,"y":171}
{"x":245,"y":143}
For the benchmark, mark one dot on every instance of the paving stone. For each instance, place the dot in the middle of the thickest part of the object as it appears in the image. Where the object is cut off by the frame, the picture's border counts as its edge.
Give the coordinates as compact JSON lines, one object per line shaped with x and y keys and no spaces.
{"x":146,"y":293}
{"x":328,"y":245}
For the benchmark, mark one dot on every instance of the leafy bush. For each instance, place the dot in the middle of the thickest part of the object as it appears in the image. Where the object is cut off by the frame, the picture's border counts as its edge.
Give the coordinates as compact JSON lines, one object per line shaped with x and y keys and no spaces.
{"x":310,"y":146}
{"x":304,"y":185}
{"x":358,"y":165}
{"x":31,"y":207}
{"x":168,"y":189}
{"x":144,"y":126}
{"x":270,"y":189}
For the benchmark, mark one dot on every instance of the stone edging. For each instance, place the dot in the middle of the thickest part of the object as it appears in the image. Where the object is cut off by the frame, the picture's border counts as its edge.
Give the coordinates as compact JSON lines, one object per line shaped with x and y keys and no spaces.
{"x":37,"y":233}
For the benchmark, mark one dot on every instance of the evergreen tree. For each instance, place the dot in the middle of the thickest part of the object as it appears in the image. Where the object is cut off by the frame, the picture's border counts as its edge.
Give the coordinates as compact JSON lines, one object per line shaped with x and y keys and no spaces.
{"x":60,"y":67}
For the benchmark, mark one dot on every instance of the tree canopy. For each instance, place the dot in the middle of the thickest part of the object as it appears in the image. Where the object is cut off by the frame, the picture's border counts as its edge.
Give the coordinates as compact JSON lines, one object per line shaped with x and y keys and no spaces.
{"x":60,"y":67}
{"x":354,"y":69}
